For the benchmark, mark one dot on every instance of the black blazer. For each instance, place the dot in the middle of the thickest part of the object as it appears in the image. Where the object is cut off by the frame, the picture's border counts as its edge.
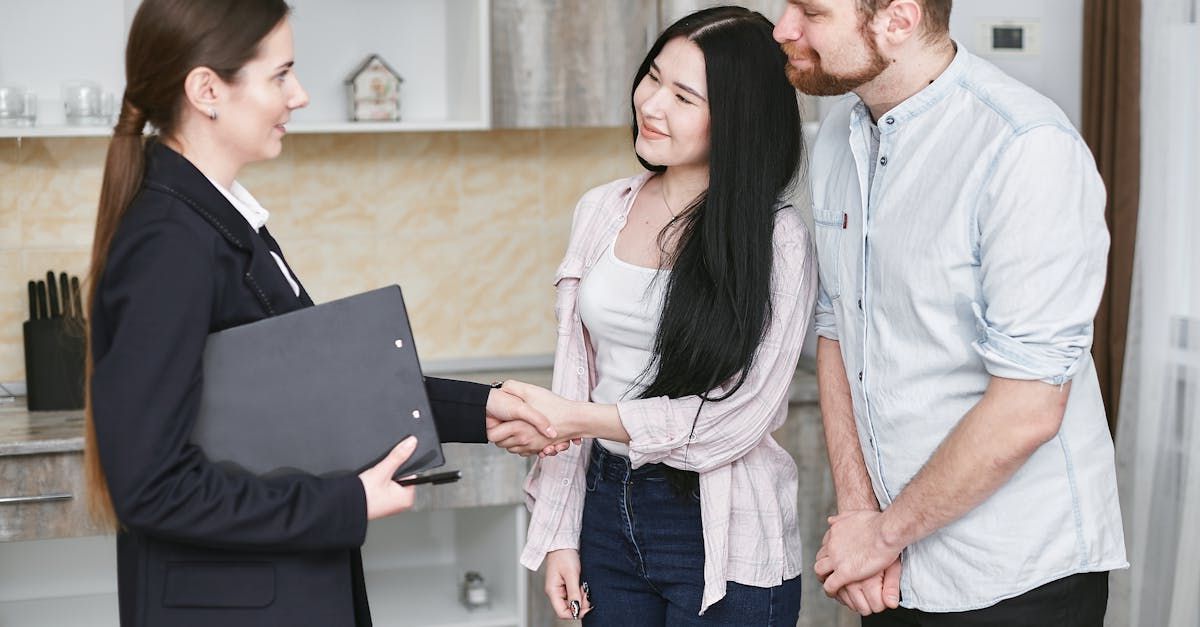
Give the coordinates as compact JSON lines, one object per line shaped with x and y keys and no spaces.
{"x":202,"y":545}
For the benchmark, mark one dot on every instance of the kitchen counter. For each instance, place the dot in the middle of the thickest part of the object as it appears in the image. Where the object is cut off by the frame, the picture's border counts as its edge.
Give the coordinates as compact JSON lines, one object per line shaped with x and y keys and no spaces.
{"x":23,"y":432}
{"x":43,"y":465}
{"x":41,"y":456}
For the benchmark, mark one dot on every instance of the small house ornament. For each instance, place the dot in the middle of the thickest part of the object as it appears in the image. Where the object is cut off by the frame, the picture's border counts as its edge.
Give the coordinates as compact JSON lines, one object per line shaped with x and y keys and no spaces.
{"x":374,"y":91}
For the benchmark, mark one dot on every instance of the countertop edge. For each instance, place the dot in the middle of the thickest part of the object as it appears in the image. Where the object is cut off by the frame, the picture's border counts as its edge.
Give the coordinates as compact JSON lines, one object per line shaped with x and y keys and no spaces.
{"x":803,"y":390}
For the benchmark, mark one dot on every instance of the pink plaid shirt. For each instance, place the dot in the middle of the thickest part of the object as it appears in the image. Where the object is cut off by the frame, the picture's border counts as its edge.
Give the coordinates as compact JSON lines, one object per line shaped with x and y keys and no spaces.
{"x":748,"y":483}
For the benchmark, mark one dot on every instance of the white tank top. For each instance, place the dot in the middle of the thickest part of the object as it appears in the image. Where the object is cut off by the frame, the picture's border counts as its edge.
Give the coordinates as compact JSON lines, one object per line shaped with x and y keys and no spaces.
{"x":620,"y":304}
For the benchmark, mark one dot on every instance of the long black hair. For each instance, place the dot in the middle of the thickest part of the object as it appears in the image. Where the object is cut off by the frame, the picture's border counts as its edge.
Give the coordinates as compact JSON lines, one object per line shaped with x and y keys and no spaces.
{"x":717,"y":305}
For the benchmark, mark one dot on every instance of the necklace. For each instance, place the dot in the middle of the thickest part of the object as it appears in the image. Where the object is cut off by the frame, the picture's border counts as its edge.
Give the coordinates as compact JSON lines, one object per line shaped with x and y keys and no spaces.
{"x":662,"y":188}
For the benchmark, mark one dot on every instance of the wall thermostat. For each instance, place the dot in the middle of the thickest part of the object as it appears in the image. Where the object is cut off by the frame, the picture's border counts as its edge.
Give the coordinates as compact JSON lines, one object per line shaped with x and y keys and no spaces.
{"x":1010,"y":37}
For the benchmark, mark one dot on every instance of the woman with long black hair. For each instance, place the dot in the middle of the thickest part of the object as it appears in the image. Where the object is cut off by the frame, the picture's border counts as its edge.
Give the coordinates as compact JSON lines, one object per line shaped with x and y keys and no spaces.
{"x":683,"y":301}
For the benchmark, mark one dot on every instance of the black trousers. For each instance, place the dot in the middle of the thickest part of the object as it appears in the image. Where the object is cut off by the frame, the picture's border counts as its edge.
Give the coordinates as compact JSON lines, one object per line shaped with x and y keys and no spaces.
{"x":1075,"y":601}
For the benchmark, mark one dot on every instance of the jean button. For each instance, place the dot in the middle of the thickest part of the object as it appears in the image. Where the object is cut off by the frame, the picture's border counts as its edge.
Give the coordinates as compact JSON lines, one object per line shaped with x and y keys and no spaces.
{"x":890,"y":120}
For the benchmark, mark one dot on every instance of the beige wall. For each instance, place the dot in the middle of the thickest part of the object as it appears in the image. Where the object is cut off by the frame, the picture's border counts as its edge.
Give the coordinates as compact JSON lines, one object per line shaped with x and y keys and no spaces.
{"x":471,"y":225}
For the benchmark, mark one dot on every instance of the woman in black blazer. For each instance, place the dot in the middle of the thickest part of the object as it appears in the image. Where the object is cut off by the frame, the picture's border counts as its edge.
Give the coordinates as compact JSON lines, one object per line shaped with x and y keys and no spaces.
{"x":178,"y":254}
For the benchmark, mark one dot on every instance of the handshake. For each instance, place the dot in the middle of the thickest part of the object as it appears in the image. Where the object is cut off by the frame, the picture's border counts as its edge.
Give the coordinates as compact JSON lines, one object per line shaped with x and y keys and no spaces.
{"x":527,"y":420}
{"x":521,"y":418}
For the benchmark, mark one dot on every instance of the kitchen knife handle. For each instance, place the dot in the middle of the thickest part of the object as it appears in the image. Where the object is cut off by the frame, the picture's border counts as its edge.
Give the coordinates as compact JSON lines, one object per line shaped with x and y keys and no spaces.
{"x":64,"y":289}
{"x":41,"y":300}
{"x":77,"y":297}
{"x":52,"y":291}
{"x":33,"y":308}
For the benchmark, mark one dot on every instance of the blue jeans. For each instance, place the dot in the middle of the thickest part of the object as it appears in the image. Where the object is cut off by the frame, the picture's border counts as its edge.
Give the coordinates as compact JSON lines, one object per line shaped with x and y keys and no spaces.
{"x":642,"y":554}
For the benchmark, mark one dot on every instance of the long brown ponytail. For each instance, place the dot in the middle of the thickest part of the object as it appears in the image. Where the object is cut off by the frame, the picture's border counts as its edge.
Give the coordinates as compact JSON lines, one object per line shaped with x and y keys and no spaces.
{"x":167,"y":40}
{"x":122,"y":177}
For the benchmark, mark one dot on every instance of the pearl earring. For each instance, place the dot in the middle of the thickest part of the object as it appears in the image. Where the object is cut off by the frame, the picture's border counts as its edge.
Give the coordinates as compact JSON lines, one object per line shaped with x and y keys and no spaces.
{"x":212,"y":113}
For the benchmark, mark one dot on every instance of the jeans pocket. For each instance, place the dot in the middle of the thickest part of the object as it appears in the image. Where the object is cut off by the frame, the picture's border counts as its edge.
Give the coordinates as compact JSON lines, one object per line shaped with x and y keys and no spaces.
{"x":829,"y":228}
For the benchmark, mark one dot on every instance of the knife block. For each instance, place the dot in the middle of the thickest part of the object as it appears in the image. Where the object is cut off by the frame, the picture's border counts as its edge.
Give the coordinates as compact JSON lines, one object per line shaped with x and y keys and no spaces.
{"x":54,"y":359}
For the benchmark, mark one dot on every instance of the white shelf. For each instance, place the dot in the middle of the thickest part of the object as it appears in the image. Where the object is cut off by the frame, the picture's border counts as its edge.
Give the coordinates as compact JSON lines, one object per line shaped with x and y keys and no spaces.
{"x":298,"y":128}
{"x":54,"y":131}
{"x":442,"y":49}
{"x":413,"y":597}
{"x":387,"y":127}
{"x":428,"y":596}
{"x":96,"y":610}
{"x":413,"y":562}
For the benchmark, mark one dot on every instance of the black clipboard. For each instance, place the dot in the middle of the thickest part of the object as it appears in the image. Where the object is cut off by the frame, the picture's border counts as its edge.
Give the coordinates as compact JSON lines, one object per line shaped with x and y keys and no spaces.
{"x":329,"y":389}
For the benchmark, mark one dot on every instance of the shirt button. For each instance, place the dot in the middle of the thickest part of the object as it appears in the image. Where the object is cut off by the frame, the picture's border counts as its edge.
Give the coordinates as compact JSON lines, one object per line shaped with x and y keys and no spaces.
{"x":883,"y":160}
{"x":860,"y":304}
{"x":579,"y":370}
{"x":620,"y":218}
{"x":860,"y":375}
{"x":890,"y":120}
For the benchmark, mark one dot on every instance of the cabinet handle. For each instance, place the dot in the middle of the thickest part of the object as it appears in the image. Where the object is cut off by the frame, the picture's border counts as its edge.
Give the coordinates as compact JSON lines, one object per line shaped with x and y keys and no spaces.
{"x":39,"y":498}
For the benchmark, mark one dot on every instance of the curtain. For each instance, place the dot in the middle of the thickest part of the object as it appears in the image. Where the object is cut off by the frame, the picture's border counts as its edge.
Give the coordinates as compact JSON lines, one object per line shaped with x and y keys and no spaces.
{"x":1158,"y":436}
{"x":1112,"y":128}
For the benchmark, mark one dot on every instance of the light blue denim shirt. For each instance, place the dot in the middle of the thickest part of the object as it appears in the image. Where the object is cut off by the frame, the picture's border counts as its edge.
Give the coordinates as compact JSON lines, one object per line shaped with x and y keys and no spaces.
{"x":977,"y":249}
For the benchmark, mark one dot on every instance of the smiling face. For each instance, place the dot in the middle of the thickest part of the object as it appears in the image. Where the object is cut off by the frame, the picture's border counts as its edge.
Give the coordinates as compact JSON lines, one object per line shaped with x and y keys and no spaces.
{"x":829,"y":46}
{"x":671,"y":107}
{"x":261,"y":100}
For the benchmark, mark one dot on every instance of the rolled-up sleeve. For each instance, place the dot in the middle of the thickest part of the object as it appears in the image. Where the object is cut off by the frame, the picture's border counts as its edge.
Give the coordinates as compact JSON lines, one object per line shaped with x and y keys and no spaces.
{"x":824,"y":321}
{"x":688,"y":434}
{"x":1043,"y":246}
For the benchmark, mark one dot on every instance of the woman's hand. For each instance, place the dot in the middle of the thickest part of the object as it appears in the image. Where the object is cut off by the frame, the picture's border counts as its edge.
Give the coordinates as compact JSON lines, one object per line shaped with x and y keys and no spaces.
{"x":563,"y":587}
{"x":503,"y":406}
{"x":562,"y":414}
{"x":384,"y":496}
{"x":514,"y":425}
{"x":519,"y":438}
{"x":573,"y":420}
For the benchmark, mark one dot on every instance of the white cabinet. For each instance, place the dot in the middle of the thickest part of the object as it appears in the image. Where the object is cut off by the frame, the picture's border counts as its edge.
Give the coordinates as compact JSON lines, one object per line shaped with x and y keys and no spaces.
{"x":69,"y":581}
{"x":414,"y":563}
{"x":440,"y":47}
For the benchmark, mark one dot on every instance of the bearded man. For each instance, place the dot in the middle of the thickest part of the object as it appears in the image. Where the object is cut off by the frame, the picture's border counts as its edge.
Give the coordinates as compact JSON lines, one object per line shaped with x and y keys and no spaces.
{"x":960,"y":229}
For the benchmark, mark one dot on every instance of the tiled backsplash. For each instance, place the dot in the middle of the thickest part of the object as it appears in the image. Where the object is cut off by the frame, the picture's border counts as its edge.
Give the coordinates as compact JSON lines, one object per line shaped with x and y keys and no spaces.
{"x":471,"y":225}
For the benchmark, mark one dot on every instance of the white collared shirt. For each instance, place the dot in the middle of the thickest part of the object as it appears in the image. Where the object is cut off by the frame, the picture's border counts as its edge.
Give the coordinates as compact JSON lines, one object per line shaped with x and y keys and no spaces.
{"x":257,"y":216}
{"x":976,"y":250}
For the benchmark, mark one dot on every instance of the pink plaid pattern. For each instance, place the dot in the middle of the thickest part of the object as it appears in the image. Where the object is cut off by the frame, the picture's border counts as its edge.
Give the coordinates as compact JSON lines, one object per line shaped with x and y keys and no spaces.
{"x":748,"y":482}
